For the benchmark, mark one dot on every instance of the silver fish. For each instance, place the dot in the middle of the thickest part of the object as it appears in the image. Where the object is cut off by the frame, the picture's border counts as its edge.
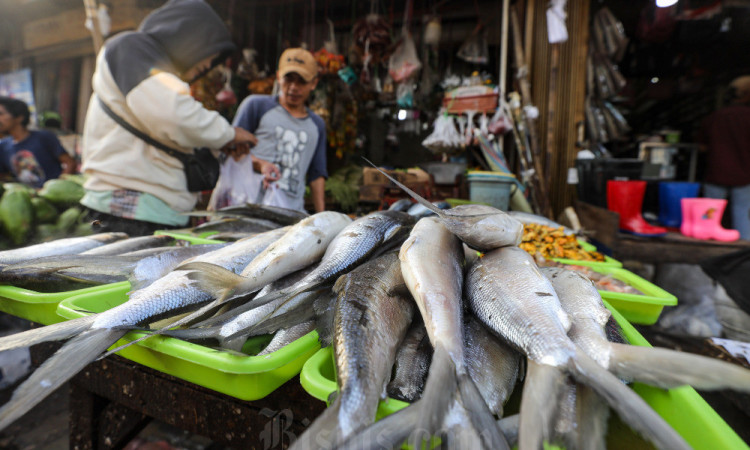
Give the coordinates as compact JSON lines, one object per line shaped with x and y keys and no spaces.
{"x":528,"y":218}
{"x":481,"y":227}
{"x":236,"y":224}
{"x":67,"y":246}
{"x":276,"y":214}
{"x":93,"y":334}
{"x":401,"y":205}
{"x":509,"y":295}
{"x":286,"y":336}
{"x":130,"y":245}
{"x":373,"y":312}
{"x":412,"y":364}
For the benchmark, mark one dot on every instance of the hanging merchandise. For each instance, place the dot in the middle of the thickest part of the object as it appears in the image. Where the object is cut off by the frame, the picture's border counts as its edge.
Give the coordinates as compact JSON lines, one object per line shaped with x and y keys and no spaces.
{"x":329,"y":60}
{"x":226,"y":96}
{"x":501,"y":121}
{"x":405,"y":95}
{"x":556,"y":30}
{"x":372,"y":39}
{"x":475,"y":49}
{"x":404,"y":63}
{"x":248,"y":68}
{"x":444,"y":137}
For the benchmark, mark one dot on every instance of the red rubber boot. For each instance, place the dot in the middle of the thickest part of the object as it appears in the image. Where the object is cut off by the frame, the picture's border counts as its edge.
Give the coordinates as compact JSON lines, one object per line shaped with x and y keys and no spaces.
{"x":706,"y":216}
{"x":626,"y":198}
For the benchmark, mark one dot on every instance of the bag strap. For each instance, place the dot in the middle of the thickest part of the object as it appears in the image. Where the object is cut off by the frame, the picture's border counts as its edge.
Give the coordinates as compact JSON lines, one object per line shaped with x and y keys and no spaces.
{"x":142,"y":136}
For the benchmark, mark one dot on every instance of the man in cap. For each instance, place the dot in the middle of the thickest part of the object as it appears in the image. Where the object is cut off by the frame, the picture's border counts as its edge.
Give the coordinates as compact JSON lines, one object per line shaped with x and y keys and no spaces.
{"x":726,"y":133}
{"x":289,"y":135}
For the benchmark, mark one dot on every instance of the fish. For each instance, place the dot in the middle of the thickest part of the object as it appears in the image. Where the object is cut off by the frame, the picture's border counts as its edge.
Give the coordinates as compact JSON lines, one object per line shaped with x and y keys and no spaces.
{"x":510,"y":296}
{"x":419,"y":210}
{"x":492,"y":364}
{"x":432,"y":267}
{"x":412,"y":364}
{"x":92,"y":335}
{"x":66,"y":246}
{"x":401,"y":205}
{"x":234,"y":225}
{"x":481,"y":227}
{"x":358,"y":241}
{"x":300,"y":246}
{"x":282,"y":216}
{"x":68,"y":272}
{"x":130,"y":245}
{"x":373,"y":313}
{"x":286,"y":336}
{"x":658,"y":367}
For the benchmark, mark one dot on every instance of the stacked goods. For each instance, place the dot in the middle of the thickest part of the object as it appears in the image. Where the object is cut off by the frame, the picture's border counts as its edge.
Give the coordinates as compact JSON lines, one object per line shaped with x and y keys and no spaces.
{"x":555,"y":243}
{"x":50,"y":213}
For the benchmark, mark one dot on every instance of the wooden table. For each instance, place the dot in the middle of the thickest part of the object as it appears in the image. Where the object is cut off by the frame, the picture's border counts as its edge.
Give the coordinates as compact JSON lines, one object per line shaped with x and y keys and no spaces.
{"x":112,"y":400}
{"x":602,"y":226}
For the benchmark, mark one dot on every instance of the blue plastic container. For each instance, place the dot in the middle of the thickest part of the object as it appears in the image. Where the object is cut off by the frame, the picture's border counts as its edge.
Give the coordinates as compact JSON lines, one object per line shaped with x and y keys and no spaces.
{"x":670,"y":195}
{"x":491,"y":188}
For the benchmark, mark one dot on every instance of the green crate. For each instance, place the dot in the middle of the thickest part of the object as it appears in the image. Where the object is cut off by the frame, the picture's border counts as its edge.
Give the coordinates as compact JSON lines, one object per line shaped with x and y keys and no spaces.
{"x":641,"y":309}
{"x":41,"y":307}
{"x":682,"y":408}
{"x":232,"y":373}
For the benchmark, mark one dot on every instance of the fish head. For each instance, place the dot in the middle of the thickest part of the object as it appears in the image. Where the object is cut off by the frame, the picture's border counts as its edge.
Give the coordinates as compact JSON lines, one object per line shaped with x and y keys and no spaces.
{"x":484,"y":228}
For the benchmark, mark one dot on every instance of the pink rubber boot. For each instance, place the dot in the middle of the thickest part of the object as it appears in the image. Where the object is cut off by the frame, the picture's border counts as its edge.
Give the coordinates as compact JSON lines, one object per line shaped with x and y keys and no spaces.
{"x":706,"y":216}
{"x":686,"y":226}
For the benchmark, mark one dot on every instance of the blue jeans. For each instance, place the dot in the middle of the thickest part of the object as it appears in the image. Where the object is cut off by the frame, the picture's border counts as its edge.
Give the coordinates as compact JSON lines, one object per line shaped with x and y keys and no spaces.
{"x":739,"y":197}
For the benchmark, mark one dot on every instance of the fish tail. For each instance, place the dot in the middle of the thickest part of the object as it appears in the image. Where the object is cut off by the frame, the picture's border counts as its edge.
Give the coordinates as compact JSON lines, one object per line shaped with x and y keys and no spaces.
{"x":413,"y":194}
{"x":324,"y":432}
{"x":631,"y":408}
{"x":480,"y":415}
{"x":668,"y":368}
{"x":438,"y":394}
{"x":194,"y":333}
{"x":593,"y":414}
{"x":539,"y":404}
{"x":509,"y":427}
{"x":55,"y":332}
{"x":389,"y":432}
{"x":214,"y":280}
{"x":59,"y":368}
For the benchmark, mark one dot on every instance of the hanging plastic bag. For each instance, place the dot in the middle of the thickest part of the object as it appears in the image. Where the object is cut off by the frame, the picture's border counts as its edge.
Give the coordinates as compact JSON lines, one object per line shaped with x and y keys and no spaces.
{"x":501,"y":122}
{"x":404,"y":63}
{"x":444,"y":138}
{"x":274,"y":196}
{"x":238,"y":183}
{"x":475,"y":49}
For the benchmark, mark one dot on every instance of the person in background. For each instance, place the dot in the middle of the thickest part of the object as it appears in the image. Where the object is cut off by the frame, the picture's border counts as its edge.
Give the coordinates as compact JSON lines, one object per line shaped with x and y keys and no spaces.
{"x":31,"y":156}
{"x":290,"y":136}
{"x":726,"y":134}
{"x":144,"y":77}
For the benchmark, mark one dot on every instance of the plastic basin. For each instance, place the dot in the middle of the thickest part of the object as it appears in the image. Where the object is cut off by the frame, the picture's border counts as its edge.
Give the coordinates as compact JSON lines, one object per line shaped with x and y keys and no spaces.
{"x":682,"y":408}
{"x":232,"y":373}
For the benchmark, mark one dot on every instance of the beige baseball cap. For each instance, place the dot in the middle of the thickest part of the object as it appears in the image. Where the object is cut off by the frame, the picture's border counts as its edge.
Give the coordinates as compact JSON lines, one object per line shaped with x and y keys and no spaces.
{"x":300,"y":61}
{"x":741,"y":86}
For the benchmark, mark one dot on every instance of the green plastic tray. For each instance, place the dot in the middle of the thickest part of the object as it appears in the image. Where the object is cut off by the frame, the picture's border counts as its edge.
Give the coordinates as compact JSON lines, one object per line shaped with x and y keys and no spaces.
{"x":40,"y":307}
{"x":202,"y":239}
{"x":682,"y":408}
{"x":641,"y":309}
{"x":608,"y":262}
{"x":239,"y":375}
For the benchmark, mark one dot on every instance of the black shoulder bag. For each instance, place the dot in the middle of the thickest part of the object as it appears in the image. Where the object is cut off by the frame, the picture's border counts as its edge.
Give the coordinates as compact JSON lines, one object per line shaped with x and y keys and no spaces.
{"x":201,"y":168}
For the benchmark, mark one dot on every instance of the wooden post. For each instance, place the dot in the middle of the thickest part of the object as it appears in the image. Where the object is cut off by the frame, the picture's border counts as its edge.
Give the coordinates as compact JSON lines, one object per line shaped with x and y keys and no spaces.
{"x":91,"y":14}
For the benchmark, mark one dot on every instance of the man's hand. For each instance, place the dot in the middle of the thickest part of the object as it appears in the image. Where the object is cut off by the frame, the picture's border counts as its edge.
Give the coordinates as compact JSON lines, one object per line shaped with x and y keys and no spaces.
{"x":269,"y":170}
{"x":240,"y":145}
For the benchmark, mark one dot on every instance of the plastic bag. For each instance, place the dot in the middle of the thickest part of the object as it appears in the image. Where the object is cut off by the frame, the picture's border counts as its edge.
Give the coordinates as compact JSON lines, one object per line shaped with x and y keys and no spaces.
{"x":444,"y":138}
{"x":501,"y":122}
{"x":238,"y":183}
{"x":273,"y":196}
{"x":404,"y":63}
{"x":475,"y":49}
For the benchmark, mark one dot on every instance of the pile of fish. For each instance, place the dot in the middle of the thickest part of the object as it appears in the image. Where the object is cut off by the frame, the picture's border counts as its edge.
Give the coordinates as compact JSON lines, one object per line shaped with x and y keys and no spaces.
{"x":410,"y":311}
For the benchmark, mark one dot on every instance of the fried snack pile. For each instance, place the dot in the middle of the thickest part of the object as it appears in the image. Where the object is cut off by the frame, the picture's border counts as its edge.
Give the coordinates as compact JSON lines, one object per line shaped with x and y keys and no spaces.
{"x":554,"y":243}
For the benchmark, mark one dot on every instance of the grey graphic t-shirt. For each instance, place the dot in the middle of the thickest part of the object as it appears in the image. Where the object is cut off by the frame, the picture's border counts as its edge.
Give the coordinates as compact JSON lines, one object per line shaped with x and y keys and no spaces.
{"x":296,"y":145}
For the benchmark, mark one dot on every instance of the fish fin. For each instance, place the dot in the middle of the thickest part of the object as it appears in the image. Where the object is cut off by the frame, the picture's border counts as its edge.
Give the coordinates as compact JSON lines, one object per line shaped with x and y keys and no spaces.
{"x":668,"y":368}
{"x":480,"y":415}
{"x":539,"y":403}
{"x":214,"y":280}
{"x":73,"y":356}
{"x":55,"y":332}
{"x":592,"y":414}
{"x":234,"y":343}
{"x":389,"y":432}
{"x":413,"y":194}
{"x":324,"y":432}
{"x":173,"y":324}
{"x":631,"y":408}
{"x":509,"y":427}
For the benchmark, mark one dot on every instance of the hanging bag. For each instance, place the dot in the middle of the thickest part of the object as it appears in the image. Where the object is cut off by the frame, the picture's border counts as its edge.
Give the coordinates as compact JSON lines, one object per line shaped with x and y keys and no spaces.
{"x":201,"y":168}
